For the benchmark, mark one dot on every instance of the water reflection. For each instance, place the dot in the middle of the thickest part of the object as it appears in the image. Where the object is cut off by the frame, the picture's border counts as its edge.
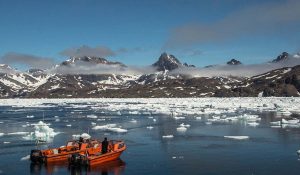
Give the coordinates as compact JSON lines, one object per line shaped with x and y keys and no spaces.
{"x":115,"y":167}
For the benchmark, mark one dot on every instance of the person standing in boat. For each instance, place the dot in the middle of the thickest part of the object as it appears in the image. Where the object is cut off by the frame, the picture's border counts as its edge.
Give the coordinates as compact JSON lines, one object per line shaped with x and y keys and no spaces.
{"x":104,"y":146}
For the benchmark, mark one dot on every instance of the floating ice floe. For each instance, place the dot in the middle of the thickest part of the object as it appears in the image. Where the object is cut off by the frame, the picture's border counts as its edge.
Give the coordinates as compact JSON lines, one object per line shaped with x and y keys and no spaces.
{"x":237,"y":137}
{"x":198,"y":118}
{"x":42,"y":133}
{"x":150,"y":127}
{"x":183,"y":125}
{"x":1,"y":134}
{"x":91,"y":116}
{"x":168,"y":136}
{"x":133,"y":121}
{"x":293,"y":121}
{"x":181,"y":129}
{"x":25,"y":158}
{"x":83,"y":135}
{"x":253,"y":124}
{"x":68,"y":125}
{"x":250,"y":118}
{"x":110,"y":127}
{"x":93,"y":123}
{"x":179,"y":118}
{"x":275,"y":123}
{"x":6,"y":142}
{"x":17,"y":133}
{"x":298,"y":152}
{"x":30,"y":116}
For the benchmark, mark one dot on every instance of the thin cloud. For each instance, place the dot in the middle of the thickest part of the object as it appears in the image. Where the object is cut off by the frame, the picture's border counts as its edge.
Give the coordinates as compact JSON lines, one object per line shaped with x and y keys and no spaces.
{"x":259,"y":19}
{"x":99,"y":51}
{"x":237,"y":70}
{"x":90,"y":68}
{"x":28,"y":60}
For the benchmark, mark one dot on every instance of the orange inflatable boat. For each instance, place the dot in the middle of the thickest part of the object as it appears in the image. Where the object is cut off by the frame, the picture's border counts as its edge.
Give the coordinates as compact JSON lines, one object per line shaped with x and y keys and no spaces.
{"x":63,"y":153}
{"x":115,"y":149}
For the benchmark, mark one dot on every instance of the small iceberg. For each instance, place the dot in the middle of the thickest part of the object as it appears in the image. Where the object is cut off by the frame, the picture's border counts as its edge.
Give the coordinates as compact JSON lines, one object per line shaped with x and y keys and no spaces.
{"x":298,"y":152}
{"x":133,"y":121}
{"x":179,"y":118}
{"x":181,"y":129}
{"x":110,"y":127}
{"x":30,"y":116}
{"x":150,"y":127}
{"x":253,"y":124}
{"x":168,"y":136}
{"x":42,"y":133}
{"x":237,"y":137}
{"x":25,"y":158}
{"x":183,"y":125}
{"x":293,"y":121}
{"x":91,"y":116}
{"x":1,"y":134}
{"x":83,"y":135}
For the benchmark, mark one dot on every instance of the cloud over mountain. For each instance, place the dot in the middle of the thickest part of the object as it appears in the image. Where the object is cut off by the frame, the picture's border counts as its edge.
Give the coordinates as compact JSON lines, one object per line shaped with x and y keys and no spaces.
{"x":31,"y":61}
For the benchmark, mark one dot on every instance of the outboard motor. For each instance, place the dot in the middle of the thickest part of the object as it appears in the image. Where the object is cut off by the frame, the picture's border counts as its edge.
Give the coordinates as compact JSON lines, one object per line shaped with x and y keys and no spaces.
{"x":36,"y":156}
{"x":77,"y":159}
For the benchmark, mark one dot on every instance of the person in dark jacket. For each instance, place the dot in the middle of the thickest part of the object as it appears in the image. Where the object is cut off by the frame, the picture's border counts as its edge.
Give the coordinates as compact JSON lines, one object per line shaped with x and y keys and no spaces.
{"x":104,"y":146}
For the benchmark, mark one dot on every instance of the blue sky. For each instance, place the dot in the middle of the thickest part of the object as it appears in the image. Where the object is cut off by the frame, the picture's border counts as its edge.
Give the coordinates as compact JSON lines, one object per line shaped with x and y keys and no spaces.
{"x":136,"y":32}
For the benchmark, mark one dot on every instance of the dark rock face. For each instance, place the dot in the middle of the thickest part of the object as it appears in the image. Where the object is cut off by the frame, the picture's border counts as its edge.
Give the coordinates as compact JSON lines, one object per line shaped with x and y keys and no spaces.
{"x":233,"y":62}
{"x":92,"y":60}
{"x":167,"y":62}
{"x":283,"y":56}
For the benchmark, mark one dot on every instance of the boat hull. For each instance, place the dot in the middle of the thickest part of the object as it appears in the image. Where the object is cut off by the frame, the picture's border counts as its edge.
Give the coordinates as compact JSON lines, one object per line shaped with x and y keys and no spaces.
{"x":104,"y":158}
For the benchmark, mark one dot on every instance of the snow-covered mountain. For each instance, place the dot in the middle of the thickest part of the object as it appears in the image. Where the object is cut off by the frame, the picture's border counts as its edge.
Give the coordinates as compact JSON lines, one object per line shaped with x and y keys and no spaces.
{"x":99,"y":77}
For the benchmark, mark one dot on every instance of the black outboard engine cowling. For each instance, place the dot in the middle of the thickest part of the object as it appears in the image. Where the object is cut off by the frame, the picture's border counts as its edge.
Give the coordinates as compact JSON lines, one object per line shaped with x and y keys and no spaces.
{"x":77,"y":159}
{"x":36,"y":156}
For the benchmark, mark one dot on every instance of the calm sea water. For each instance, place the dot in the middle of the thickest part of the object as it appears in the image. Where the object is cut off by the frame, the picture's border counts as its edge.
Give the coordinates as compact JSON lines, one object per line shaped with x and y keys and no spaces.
{"x":202,"y":149}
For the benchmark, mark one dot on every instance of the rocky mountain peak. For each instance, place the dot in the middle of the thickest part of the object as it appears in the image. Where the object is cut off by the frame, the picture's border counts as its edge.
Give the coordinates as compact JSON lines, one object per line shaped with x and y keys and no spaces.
{"x":167,"y":62}
{"x":234,"y":62}
{"x":283,"y":56}
{"x":89,"y":59}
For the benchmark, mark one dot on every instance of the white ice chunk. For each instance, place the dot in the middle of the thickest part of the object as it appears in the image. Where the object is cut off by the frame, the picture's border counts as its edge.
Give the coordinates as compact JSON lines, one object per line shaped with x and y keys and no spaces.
{"x":254,"y":124}
{"x":6,"y":142}
{"x":30,"y":116}
{"x":293,"y":121}
{"x":1,"y":134}
{"x":183,"y":125}
{"x":133,"y":121}
{"x":93,"y":123}
{"x":42,"y":133}
{"x":237,"y":137}
{"x":181,"y":129}
{"x":168,"y":136}
{"x":110,"y":127}
{"x":17,"y":133}
{"x":83,"y":135}
{"x":104,"y":127}
{"x":91,"y":116}
{"x":275,"y":123}
{"x":179,"y":118}
{"x":25,"y":158}
{"x":150,"y":127}
{"x":68,"y":125}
